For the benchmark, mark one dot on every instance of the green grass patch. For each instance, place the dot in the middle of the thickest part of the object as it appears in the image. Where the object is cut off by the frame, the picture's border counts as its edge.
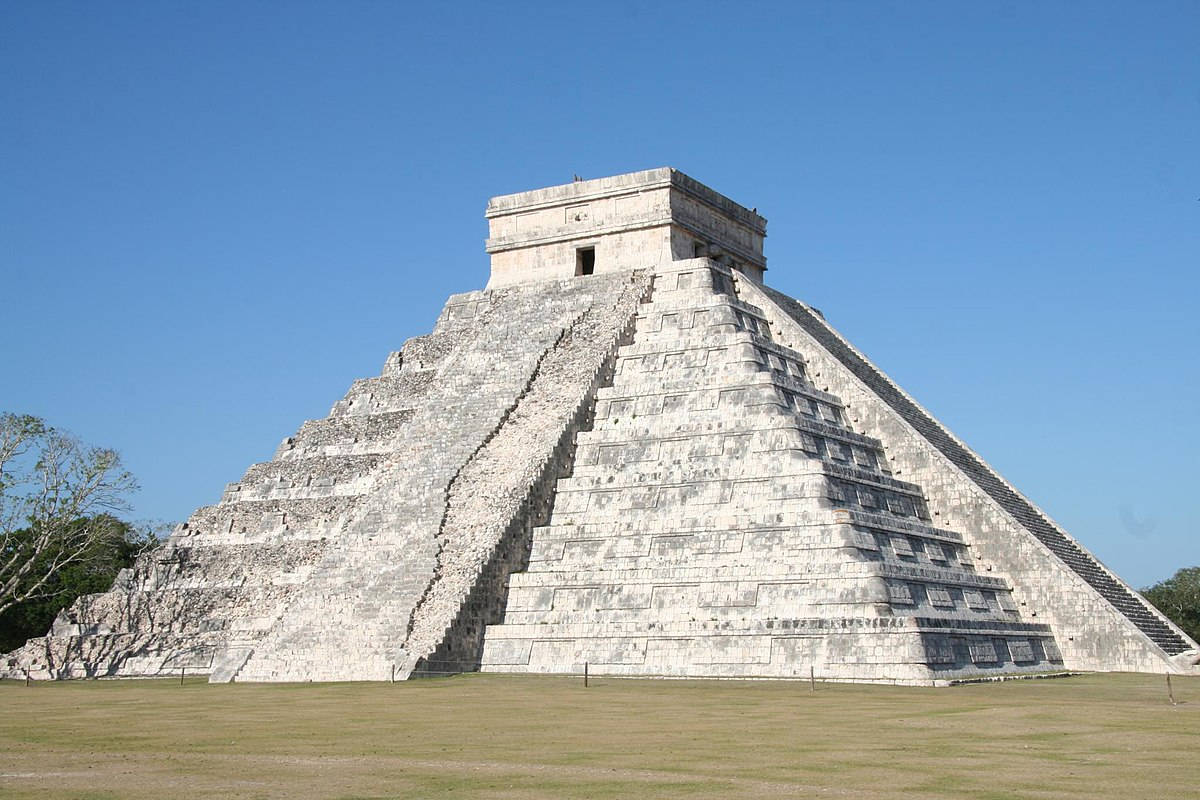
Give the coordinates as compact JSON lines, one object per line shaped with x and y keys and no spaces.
{"x":477,"y":736}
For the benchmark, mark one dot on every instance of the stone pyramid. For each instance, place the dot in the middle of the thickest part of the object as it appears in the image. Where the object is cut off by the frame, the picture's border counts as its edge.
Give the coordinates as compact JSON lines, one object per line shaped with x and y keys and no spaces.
{"x":627,"y":452}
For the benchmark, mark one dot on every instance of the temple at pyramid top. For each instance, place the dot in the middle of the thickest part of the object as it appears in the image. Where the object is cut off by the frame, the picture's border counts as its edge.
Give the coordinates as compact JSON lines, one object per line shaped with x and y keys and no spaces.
{"x":619,"y":223}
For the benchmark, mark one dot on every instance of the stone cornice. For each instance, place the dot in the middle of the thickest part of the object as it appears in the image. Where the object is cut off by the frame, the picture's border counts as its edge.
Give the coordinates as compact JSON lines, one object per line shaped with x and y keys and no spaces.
{"x":630,"y":183}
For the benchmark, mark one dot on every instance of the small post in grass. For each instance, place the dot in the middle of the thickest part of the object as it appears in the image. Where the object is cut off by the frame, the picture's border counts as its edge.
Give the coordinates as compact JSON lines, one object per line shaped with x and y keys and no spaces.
{"x":393,"y":678}
{"x":812,"y":678}
{"x":181,"y":671}
{"x":585,"y":674}
{"x":26,"y":677}
{"x":1170,"y":694}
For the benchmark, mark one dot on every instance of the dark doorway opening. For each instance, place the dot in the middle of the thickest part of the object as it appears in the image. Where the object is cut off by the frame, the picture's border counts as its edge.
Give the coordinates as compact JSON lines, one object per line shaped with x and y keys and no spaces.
{"x":585,"y":261}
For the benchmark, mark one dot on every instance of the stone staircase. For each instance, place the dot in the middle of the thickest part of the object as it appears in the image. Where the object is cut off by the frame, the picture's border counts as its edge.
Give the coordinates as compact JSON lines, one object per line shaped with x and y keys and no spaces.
{"x":1124,"y":600}
{"x":380,"y":604}
{"x":721,"y":514}
{"x":587,"y":471}
{"x":505,"y":488}
{"x":302,"y":569}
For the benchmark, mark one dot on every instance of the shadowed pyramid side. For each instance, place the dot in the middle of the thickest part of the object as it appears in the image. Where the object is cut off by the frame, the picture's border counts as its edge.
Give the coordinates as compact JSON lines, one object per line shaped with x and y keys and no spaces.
{"x":1101,"y":623}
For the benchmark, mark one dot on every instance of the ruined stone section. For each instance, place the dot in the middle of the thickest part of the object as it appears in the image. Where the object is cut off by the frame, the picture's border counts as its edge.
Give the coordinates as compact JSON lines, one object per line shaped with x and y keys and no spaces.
{"x":384,"y":599}
{"x":215,"y":580}
{"x":724,"y":519}
{"x":206,"y":598}
{"x":223,"y":577}
{"x":1102,"y":624}
{"x":617,"y":224}
{"x":312,"y":564}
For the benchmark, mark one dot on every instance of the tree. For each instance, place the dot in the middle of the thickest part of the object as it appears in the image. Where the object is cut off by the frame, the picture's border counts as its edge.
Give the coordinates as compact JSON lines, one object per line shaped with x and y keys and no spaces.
{"x":94,"y":572}
{"x":58,"y":498}
{"x":1178,"y":597}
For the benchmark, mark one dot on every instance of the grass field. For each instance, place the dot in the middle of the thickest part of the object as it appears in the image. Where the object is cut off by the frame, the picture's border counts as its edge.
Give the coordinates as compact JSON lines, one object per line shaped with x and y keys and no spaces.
{"x":518,"y":737}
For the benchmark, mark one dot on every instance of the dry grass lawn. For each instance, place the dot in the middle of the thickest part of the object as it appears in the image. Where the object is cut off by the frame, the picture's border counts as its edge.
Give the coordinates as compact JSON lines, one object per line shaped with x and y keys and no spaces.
{"x":520,"y":737}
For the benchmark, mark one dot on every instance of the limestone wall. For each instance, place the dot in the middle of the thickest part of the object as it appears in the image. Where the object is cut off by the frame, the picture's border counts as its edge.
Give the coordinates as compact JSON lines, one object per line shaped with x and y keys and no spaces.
{"x":383,"y":599}
{"x":616,"y":251}
{"x":661,"y":468}
{"x":1100,"y":623}
{"x":507,"y":488}
{"x":389,"y":517}
{"x":630,"y":221}
{"x":724,"y":518}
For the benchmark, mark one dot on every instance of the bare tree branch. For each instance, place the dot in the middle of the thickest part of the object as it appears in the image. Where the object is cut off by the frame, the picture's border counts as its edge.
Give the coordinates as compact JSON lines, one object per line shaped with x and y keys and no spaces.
{"x":57,"y":498}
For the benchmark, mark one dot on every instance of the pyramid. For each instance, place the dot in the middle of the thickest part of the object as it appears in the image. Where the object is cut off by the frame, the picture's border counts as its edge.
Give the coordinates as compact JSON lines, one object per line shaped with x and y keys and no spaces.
{"x":626,"y":452}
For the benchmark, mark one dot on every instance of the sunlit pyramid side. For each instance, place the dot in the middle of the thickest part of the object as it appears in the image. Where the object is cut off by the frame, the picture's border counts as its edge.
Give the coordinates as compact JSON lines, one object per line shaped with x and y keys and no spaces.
{"x":627,"y":451}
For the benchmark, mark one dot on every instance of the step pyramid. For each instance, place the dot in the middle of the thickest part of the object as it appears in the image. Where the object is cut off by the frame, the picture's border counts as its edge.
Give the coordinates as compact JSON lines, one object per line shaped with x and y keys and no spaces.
{"x":625,"y":452}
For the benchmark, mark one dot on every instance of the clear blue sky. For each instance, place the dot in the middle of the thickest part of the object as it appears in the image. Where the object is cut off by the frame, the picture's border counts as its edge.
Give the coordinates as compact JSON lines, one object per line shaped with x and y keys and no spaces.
{"x":215,"y":216}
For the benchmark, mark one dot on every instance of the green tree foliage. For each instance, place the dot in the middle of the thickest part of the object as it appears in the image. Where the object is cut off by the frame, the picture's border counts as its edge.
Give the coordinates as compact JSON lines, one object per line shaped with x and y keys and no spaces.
{"x":58,"y":501}
{"x":116,"y":546}
{"x":1178,"y":597}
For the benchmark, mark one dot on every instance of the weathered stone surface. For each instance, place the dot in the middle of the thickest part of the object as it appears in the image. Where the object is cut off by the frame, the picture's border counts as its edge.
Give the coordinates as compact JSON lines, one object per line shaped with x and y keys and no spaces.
{"x":379,"y":540}
{"x":628,"y":221}
{"x":723,"y":519}
{"x":1106,"y":624}
{"x":656,"y":467}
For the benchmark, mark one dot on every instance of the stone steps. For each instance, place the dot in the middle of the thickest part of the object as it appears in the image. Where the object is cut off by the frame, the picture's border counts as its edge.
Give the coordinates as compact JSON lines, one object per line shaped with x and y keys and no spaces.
{"x":199,"y":609}
{"x":311,"y":472}
{"x":275,"y":521}
{"x":761,"y":421}
{"x":336,"y":436}
{"x":385,"y":394}
{"x":739,"y":437}
{"x":809,"y":565}
{"x":749,"y":376}
{"x":1075,"y":557}
{"x":183,"y":566}
{"x":765,"y":626}
{"x":418,"y":550}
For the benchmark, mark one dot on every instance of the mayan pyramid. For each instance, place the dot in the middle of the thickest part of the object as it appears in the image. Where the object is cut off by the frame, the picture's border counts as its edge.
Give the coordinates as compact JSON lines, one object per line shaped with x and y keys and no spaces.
{"x":629,"y":452}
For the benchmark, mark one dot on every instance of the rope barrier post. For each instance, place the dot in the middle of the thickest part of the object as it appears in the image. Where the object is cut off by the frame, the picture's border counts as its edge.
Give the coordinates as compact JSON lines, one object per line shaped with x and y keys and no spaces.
{"x":393,"y":679}
{"x":181,"y":671}
{"x":812,"y":678}
{"x":585,"y":674}
{"x":26,"y":677}
{"x":1170,"y":694}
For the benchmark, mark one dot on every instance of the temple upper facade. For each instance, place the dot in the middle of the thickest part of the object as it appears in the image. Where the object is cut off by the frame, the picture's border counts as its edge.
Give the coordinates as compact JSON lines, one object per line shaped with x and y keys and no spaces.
{"x":619,"y":223}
